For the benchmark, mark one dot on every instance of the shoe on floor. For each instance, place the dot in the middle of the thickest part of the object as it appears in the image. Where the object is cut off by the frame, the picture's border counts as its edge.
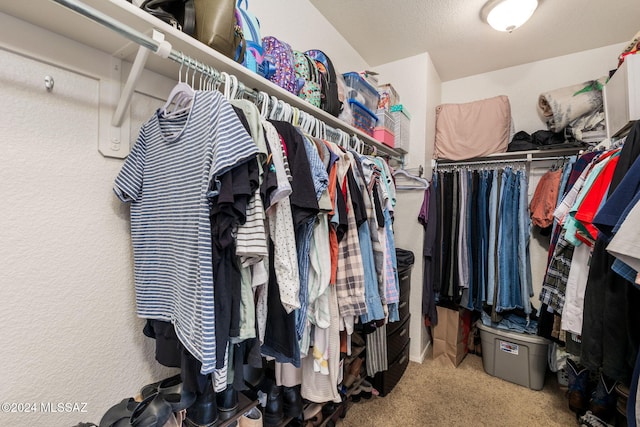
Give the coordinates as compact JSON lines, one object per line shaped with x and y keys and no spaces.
{"x":204,"y":411}
{"x":313,"y":415}
{"x":227,"y":401}
{"x":590,"y":420}
{"x":577,"y":393}
{"x":273,"y":410}
{"x":153,"y":411}
{"x":119,"y":414}
{"x":292,"y":401}
{"x":251,"y":418}
{"x":603,"y":399}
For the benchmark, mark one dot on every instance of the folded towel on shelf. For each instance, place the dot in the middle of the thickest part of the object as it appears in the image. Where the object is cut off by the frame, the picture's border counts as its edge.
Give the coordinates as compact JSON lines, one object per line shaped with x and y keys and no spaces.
{"x":560,"y":107}
{"x":588,"y":128}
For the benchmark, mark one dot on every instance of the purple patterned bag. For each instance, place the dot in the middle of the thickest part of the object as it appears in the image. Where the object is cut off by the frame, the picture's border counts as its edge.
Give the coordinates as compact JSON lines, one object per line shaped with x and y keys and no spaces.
{"x":282,"y":56}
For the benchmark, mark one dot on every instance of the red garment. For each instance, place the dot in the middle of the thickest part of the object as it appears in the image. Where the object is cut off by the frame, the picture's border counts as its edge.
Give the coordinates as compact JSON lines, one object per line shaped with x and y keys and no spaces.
{"x":592,"y":201}
{"x":544,"y":199}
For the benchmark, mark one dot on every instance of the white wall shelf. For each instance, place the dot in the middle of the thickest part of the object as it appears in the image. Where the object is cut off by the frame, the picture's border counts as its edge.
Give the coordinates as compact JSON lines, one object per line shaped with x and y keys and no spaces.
{"x":59,"y":19}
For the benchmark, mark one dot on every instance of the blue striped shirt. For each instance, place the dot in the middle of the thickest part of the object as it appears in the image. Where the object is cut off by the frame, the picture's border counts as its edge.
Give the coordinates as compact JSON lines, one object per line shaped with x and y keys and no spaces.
{"x":166,"y":177}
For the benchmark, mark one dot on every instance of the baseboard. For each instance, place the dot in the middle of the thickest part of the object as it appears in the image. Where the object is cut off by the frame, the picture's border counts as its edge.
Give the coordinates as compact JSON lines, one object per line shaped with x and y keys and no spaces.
{"x":423,"y":355}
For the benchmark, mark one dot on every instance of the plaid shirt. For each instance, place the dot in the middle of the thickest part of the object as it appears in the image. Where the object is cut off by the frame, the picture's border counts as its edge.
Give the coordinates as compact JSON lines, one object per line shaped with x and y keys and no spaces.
{"x":554,"y":285}
{"x":555,"y":280}
{"x":350,"y":276}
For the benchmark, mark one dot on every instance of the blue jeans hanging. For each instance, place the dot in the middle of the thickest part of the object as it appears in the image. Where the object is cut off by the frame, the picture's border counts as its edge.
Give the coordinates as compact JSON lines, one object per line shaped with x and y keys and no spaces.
{"x":483,"y":232}
{"x":508,"y":276}
{"x":524,"y":257}
{"x":494,"y":197}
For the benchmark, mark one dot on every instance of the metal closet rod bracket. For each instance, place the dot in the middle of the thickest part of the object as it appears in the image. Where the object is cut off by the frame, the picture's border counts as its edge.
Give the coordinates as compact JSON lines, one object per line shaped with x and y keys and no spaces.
{"x":113,"y":140}
{"x":156,"y":44}
{"x":164,"y":49}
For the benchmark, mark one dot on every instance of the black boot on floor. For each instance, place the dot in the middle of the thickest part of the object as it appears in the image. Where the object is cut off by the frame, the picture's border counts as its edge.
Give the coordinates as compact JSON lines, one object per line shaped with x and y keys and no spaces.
{"x":204,"y":412}
{"x":577,"y":394}
{"x":603,"y":400}
{"x":292,"y":401}
{"x":273,"y":411}
{"x":227,"y":402}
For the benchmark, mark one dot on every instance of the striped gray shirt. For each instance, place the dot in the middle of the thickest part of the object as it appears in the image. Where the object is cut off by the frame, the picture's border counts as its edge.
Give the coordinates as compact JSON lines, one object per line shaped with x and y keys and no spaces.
{"x":166,"y":177}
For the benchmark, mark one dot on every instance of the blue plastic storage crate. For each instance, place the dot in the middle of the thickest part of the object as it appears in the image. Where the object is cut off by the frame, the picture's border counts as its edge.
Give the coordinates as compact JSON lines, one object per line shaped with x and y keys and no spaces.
{"x":358,"y":89}
{"x":363,"y":118}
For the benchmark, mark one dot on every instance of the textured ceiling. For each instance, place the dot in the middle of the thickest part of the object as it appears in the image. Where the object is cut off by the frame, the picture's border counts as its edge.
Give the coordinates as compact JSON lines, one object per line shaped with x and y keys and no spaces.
{"x":460,"y":44}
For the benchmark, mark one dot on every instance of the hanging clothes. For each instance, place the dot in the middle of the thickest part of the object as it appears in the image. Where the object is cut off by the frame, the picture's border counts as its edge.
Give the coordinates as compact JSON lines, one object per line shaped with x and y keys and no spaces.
{"x":545,"y":199}
{"x":610,"y":337}
{"x":254,"y":240}
{"x":484,"y":256}
{"x":508,"y":283}
{"x":593,"y":295}
{"x":428,"y":218}
{"x":170,"y":226}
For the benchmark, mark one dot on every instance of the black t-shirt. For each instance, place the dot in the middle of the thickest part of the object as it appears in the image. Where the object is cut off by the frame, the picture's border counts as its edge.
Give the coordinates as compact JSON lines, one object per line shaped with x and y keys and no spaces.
{"x":243,"y":119}
{"x":377,"y":204}
{"x":629,"y":153}
{"x":228,"y":207}
{"x":269,"y":180}
{"x":341,"y":207}
{"x":304,"y":205}
{"x":357,"y":201}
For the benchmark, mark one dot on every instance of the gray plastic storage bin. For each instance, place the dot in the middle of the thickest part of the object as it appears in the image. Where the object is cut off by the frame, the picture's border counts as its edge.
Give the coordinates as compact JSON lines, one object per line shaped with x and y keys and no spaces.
{"x":514,"y":357}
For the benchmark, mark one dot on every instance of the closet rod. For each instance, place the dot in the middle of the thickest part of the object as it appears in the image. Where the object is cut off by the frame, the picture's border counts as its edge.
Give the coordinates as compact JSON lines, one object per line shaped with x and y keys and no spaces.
{"x":488,"y":161}
{"x":117,"y":26}
{"x":164,"y":49}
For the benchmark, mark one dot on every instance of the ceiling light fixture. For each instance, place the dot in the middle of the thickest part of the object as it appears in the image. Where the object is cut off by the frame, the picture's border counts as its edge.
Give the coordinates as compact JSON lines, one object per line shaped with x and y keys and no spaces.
{"x":507,"y":15}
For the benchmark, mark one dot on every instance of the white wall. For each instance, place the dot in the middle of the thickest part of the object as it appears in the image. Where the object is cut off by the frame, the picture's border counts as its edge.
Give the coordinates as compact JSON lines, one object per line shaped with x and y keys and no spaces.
{"x":69,"y":332}
{"x":409,"y":78}
{"x":523,"y":84}
{"x":301,"y":25}
{"x":418,"y":86}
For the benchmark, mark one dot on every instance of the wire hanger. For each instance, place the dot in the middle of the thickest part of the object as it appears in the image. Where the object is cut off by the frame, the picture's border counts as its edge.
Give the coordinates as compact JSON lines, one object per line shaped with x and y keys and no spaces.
{"x":214,"y":78}
{"x":214,"y":82}
{"x":243,"y":93}
{"x":202,"y":78}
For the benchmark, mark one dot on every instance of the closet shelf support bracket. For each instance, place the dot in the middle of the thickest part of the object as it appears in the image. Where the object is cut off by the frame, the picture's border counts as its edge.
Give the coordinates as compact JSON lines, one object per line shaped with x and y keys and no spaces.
{"x":135,"y":74}
{"x":115,"y":99}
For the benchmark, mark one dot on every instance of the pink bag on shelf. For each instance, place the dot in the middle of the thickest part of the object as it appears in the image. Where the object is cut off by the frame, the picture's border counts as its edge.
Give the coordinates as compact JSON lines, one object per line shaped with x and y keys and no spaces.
{"x":473,"y":129}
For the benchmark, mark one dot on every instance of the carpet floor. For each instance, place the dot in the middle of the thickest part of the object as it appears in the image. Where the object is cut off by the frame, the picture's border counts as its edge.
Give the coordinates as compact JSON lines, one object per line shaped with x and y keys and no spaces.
{"x":437,"y":394}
